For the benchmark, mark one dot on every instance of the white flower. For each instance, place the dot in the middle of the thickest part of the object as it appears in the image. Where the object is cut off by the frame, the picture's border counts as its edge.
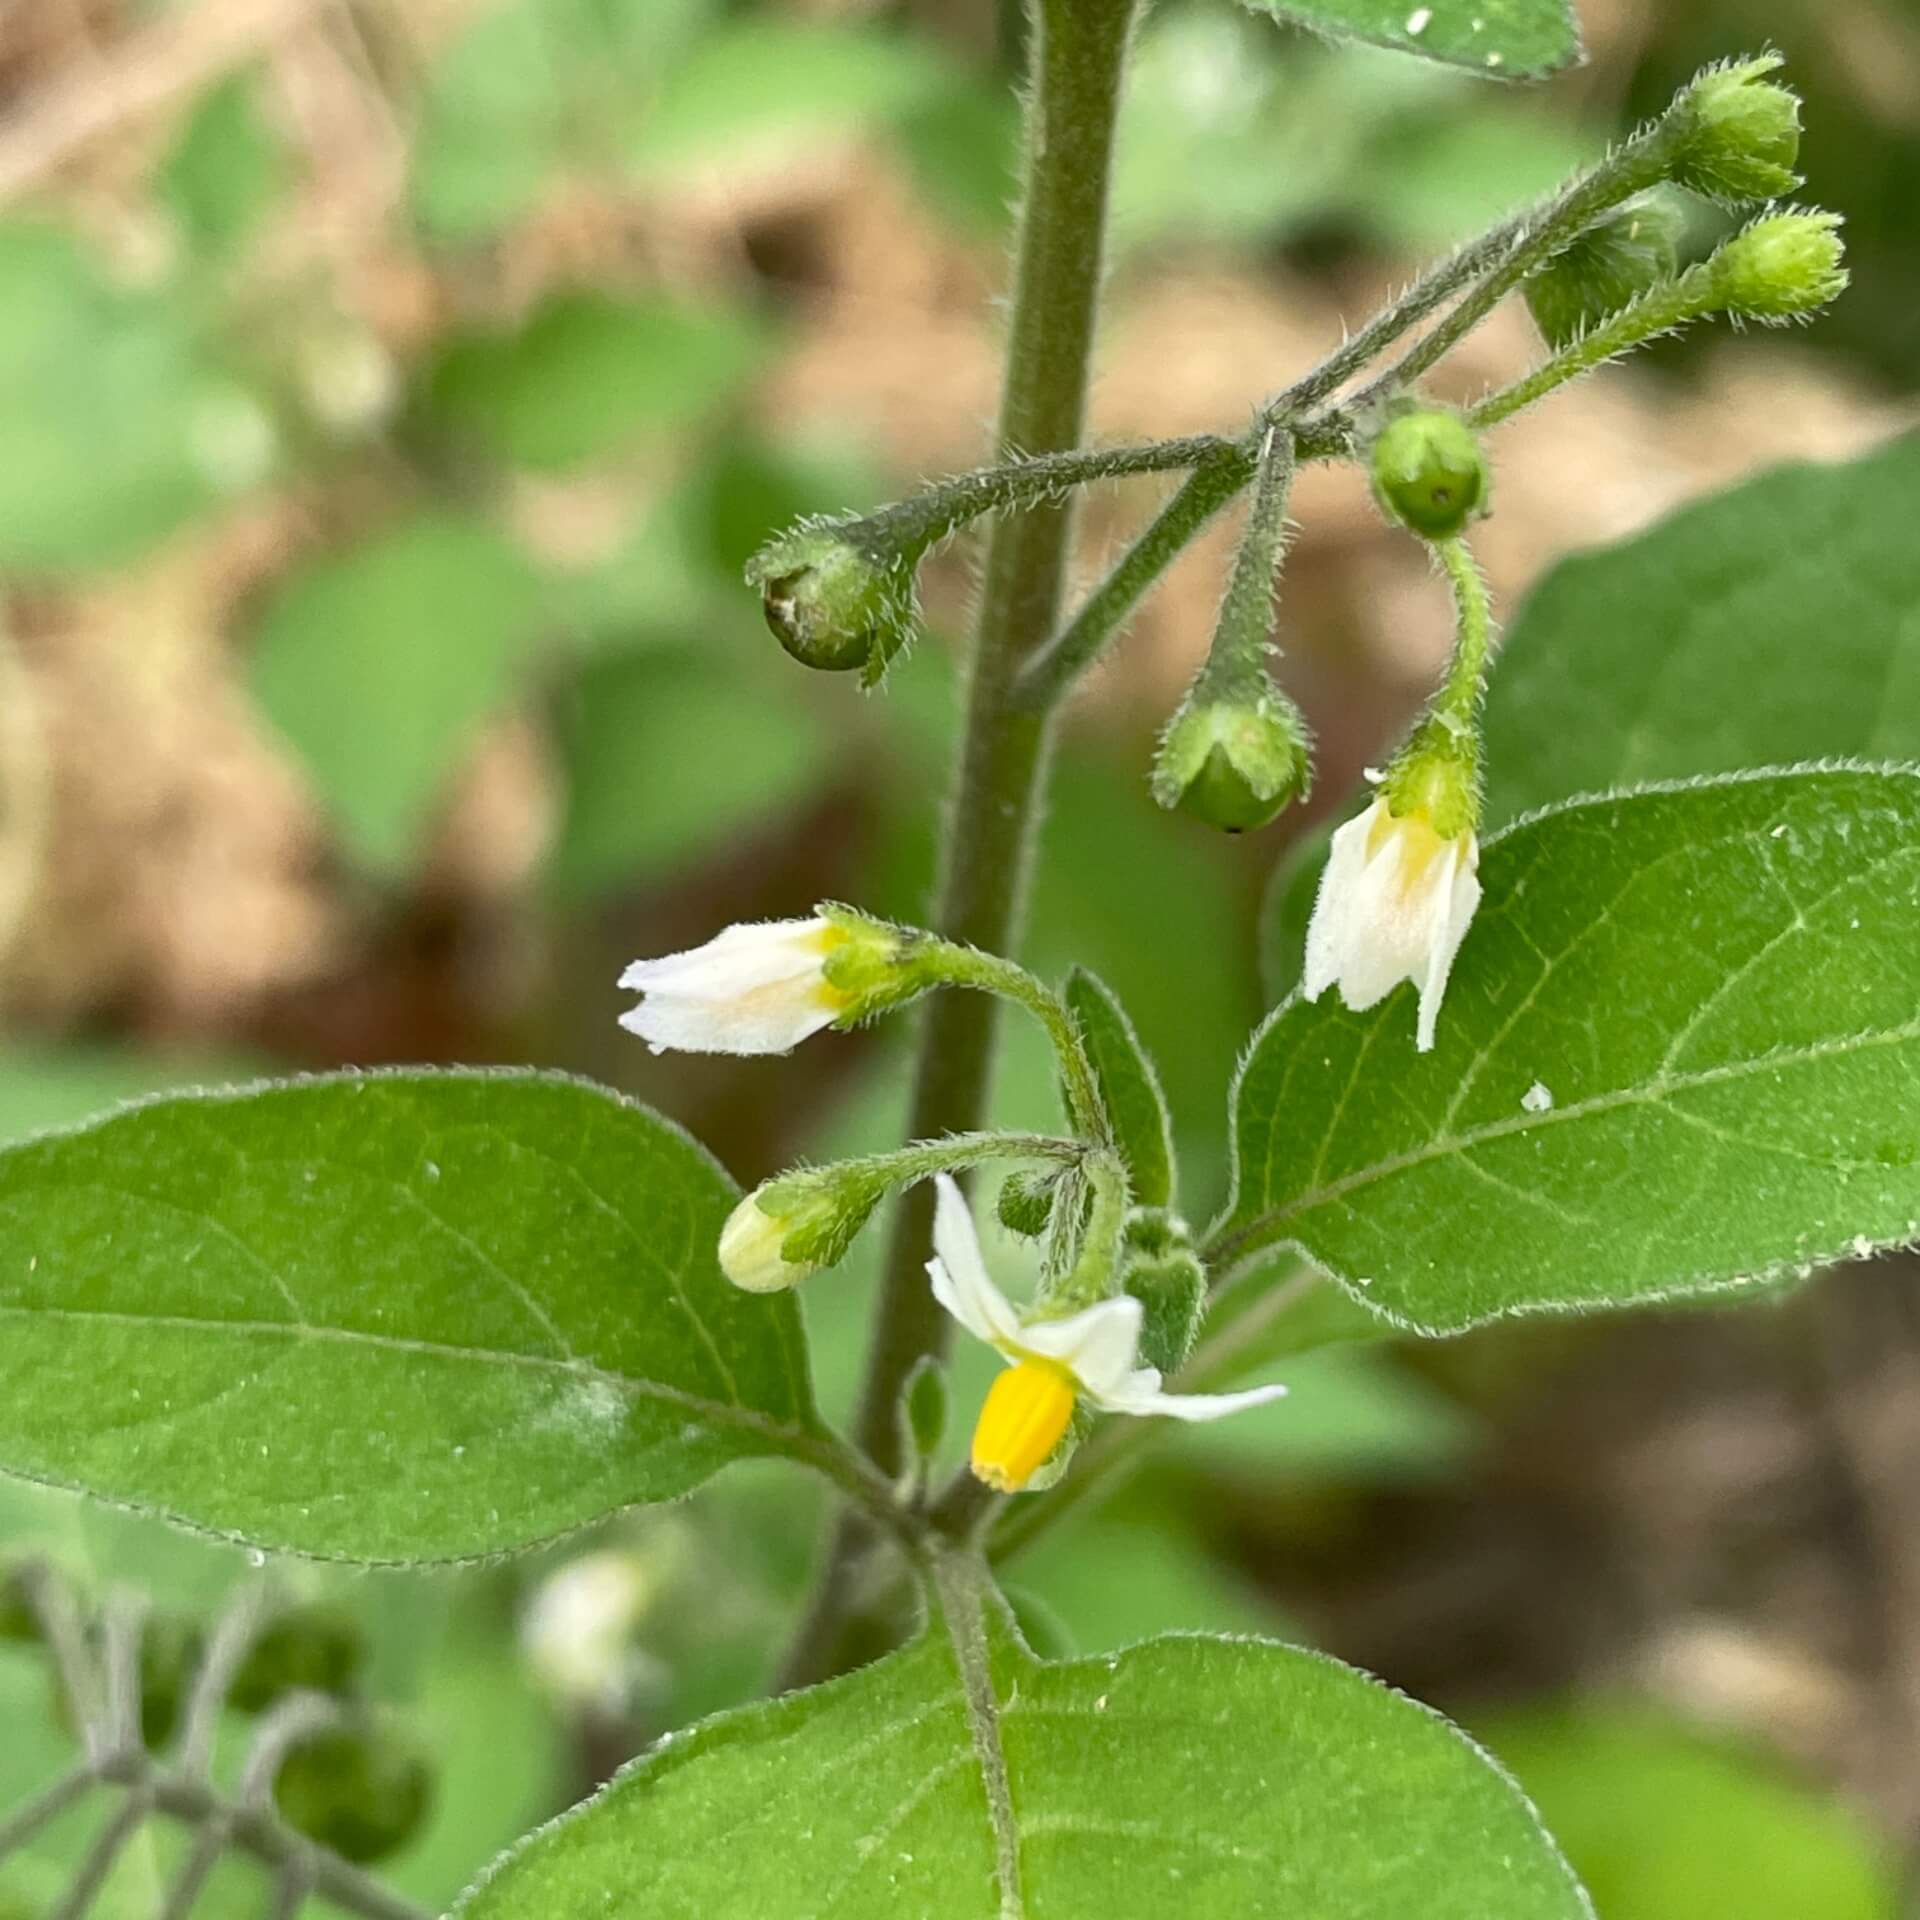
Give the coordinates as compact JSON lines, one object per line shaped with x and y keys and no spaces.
{"x":1394,"y":904}
{"x":760,"y":987}
{"x":1091,"y":1354}
{"x":578,"y":1630}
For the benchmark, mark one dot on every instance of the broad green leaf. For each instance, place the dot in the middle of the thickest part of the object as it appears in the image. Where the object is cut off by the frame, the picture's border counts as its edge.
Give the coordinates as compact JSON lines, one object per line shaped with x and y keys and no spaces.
{"x":1500,"y":37}
{"x":1129,"y":1085}
{"x":1240,"y":1777}
{"x":670,"y":756}
{"x":587,"y":376}
{"x":1665,"y":1824}
{"x":1776,"y":623}
{"x":116,"y":425}
{"x":1678,"y":1052}
{"x":380,"y":665}
{"x":225,"y":170}
{"x":393,"y":1317}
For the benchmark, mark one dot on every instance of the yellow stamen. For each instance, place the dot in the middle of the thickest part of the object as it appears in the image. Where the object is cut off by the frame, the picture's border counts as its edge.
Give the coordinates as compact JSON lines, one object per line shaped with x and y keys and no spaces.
{"x":1026,"y":1412}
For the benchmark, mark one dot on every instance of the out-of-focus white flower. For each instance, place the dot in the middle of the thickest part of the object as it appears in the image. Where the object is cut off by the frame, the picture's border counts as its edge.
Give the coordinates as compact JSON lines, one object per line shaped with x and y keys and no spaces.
{"x":578,"y":1630}
{"x":750,"y":1254}
{"x":1394,"y":904}
{"x":1052,"y":1364}
{"x":759,"y":987}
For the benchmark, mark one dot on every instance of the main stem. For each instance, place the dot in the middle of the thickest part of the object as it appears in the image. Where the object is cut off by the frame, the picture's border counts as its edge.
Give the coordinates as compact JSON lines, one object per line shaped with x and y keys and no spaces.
{"x":1078,"y":54}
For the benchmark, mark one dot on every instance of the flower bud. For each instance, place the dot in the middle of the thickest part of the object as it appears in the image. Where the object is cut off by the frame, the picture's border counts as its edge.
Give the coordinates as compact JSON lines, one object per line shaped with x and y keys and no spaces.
{"x":1234,"y":761}
{"x":1428,"y":473}
{"x":1612,"y":263}
{"x":362,"y":1790}
{"x":832,"y":604}
{"x":1782,"y":266}
{"x":317,"y":1647}
{"x":1742,"y":134}
{"x":1025,"y":1201}
{"x":923,"y":1409}
{"x":791,"y":1227}
{"x":1158,"y":1268}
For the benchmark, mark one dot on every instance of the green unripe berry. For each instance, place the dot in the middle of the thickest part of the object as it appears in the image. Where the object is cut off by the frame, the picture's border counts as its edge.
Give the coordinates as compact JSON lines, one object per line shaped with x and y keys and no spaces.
{"x":1234,"y":761}
{"x":1612,"y":263}
{"x":924,"y":1406}
{"x":315,"y":1647}
{"x":832,"y":605}
{"x":1782,"y":266}
{"x":1428,"y":472}
{"x":1742,"y":135}
{"x":361,"y":1790}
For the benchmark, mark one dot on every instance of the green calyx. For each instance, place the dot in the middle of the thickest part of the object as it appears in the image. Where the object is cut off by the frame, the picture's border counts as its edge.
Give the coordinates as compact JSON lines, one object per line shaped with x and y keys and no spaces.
{"x":1436,"y":774}
{"x":1607,"y":267}
{"x":1781,"y":267}
{"x":1025,"y":1201}
{"x":873,"y":965}
{"x":817,"y":1212}
{"x":1234,"y":761}
{"x":1428,"y":472}
{"x":832,"y":604}
{"x":1742,"y":133}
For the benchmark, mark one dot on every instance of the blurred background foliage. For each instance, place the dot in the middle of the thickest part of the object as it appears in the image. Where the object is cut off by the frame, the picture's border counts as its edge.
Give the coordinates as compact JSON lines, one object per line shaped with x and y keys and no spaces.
{"x":390,"y":394}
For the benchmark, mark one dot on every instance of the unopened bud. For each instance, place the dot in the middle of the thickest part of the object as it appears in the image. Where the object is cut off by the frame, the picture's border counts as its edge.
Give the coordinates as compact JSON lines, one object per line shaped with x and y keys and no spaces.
{"x":1782,"y":266}
{"x":1428,"y":472}
{"x":1234,"y":761}
{"x":1742,"y":133}
{"x":1025,"y":1201}
{"x":1160,"y":1269}
{"x":833,"y":605}
{"x":791,"y":1227}
{"x":1612,"y":263}
{"x":316,"y":1647}
{"x":924,"y":1407}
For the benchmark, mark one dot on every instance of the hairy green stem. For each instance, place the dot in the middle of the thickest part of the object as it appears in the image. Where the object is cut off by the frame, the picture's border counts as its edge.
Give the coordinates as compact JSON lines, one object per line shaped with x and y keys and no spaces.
{"x":1459,"y":697}
{"x":1079,"y":50}
{"x":1236,"y":664}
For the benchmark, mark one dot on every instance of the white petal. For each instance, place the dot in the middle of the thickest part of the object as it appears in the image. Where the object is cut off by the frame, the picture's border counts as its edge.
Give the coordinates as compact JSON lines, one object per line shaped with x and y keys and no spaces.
{"x":754,"y":988}
{"x":1463,"y":896}
{"x":1140,"y":1394}
{"x":1097,"y":1345}
{"x":1328,"y":935}
{"x":958,"y":1270}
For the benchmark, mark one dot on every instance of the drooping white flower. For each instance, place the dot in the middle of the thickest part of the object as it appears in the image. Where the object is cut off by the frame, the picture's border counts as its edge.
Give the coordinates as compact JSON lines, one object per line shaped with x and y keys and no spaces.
{"x":578,"y":1630}
{"x":1394,"y":904}
{"x":1051,"y":1364}
{"x":759,"y":987}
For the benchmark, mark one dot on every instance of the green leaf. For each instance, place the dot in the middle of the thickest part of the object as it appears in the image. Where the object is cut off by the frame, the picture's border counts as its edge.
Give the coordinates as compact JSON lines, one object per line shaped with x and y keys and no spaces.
{"x":1678,"y":1051}
{"x":1665,"y":1824}
{"x":1243,"y":1777}
{"x":669,"y":757}
{"x":116,"y":425}
{"x":380,"y":665}
{"x":225,"y":170}
{"x":393,"y":1317}
{"x":1506,"y":37}
{"x":1776,"y":623}
{"x":588,"y":375}
{"x":1131,"y":1089}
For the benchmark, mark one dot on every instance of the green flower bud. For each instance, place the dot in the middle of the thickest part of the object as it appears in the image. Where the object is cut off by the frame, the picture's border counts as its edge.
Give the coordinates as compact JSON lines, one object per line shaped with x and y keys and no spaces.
{"x":791,"y":1227}
{"x":923,"y":1408}
{"x":361,"y":1790}
{"x":1742,"y":133}
{"x":1160,"y":1269}
{"x":1436,"y":775}
{"x":315,"y":1647}
{"x":1025,"y":1202}
{"x":871,"y":965}
{"x":1428,"y":473}
{"x":832,"y":604}
{"x":1234,"y":762}
{"x":1781,"y":267}
{"x":1611,"y":264}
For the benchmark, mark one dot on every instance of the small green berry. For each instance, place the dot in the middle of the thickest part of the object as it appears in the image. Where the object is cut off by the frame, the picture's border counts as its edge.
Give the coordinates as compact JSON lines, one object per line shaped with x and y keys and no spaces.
{"x":1428,"y":472}
{"x":361,"y":1790}
{"x":831,"y":605}
{"x":1234,"y":761}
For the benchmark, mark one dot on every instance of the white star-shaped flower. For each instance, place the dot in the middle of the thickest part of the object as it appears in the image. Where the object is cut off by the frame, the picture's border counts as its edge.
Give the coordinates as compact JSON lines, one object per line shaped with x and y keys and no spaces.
{"x":1052,"y":1364}
{"x":1394,"y":904}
